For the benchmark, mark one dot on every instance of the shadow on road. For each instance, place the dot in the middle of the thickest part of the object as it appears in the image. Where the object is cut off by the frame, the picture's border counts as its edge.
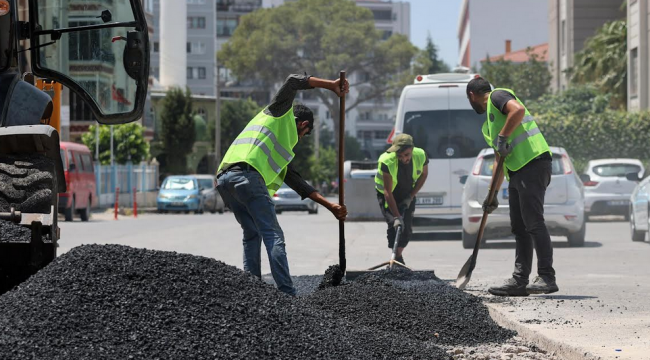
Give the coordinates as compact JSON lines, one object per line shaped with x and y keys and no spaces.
{"x":433,"y":236}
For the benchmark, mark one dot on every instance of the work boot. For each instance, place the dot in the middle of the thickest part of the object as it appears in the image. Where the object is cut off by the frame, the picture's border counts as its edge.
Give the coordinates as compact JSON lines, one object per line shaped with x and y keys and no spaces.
{"x":400,"y":259}
{"x":510,"y":288}
{"x":542,"y":285}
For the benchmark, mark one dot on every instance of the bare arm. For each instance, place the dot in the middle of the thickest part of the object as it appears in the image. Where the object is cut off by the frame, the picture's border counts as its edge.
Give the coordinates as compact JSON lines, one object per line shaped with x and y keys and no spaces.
{"x":388,"y":194}
{"x":421,"y":181}
{"x":498,"y":182}
{"x":515,"y":114}
{"x":339,"y":211}
{"x":333,"y":85}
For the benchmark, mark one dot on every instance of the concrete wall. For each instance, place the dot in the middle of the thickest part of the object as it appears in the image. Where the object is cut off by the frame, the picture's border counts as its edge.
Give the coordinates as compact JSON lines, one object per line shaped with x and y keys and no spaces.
{"x":361,"y":200}
{"x":495,"y":21}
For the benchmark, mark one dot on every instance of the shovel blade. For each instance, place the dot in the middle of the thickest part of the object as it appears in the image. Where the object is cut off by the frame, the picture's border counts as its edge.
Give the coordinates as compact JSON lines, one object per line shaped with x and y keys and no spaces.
{"x":465,"y":273}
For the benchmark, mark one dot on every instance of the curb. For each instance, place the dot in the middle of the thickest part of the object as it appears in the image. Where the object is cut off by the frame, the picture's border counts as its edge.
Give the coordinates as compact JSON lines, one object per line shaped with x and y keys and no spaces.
{"x":562,"y":350}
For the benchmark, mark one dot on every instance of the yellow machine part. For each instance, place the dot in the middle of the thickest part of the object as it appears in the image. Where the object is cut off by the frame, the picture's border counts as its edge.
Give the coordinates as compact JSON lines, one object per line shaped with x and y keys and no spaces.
{"x":53,"y":89}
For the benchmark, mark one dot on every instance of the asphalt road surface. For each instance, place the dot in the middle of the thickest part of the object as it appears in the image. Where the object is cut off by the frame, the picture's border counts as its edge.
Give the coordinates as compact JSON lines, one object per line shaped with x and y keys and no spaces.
{"x":603,"y":307}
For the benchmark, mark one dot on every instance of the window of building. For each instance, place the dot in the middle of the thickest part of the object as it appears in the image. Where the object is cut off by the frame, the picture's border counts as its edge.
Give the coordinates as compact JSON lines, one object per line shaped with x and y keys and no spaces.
{"x":188,"y":47}
{"x":386,"y":34}
{"x":382,"y":134}
{"x":79,"y":110}
{"x":155,"y":72}
{"x":190,"y":72}
{"x":195,"y":2}
{"x":383,"y":14}
{"x":634,"y":72}
{"x":225,"y":27}
{"x":563,"y":37}
{"x":201,"y":72}
{"x":196,"y":22}
{"x":156,"y":46}
{"x":201,"y":111}
{"x":197,"y":47}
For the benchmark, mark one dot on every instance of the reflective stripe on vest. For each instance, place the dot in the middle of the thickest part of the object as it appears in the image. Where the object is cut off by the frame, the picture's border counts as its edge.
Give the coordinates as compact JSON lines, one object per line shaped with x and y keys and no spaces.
{"x":266,"y":144}
{"x":526,"y":140}
{"x":391,"y":161}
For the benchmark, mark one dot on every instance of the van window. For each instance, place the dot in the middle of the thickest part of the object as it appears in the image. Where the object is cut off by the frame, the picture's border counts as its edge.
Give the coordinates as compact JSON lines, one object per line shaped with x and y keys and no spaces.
{"x":70,"y":160}
{"x":77,"y":161}
{"x":446,"y":134}
{"x":88,"y":163}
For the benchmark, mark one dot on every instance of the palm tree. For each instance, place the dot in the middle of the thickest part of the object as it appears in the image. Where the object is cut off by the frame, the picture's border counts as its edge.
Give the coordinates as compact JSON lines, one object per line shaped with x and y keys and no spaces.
{"x":603,"y":62}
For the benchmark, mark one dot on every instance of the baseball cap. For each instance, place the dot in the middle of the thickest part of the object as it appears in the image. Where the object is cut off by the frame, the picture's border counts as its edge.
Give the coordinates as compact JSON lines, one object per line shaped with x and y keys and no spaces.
{"x":400,"y":141}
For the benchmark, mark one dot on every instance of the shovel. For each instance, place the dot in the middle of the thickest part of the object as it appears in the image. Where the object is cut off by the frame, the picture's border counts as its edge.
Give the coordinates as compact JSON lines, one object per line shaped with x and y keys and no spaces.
{"x":335,"y":273}
{"x":466,"y":272}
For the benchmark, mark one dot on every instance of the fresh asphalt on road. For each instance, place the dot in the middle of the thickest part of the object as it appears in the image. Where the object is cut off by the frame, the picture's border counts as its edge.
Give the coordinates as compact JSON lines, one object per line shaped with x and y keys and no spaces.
{"x":603,"y":306}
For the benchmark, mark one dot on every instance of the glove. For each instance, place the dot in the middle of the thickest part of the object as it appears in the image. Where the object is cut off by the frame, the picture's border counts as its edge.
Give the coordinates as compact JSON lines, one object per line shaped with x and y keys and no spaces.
{"x":490,"y":206}
{"x":399,"y":221}
{"x":503,"y":148}
{"x":406,"y":203}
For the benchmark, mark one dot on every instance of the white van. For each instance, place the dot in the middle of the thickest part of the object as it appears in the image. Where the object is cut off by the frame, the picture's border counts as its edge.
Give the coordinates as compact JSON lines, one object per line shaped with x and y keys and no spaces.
{"x":436,"y":112}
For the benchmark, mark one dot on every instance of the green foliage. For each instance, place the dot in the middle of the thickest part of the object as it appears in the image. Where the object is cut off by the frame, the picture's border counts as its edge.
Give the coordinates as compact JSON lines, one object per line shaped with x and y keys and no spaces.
{"x":304,"y":151}
{"x":353,"y":148}
{"x":178,"y":133}
{"x":529,"y":80}
{"x":437,"y":65}
{"x":234,"y":117}
{"x":128,"y":142}
{"x":321,"y":37}
{"x":575,"y":100}
{"x":324,"y":169}
{"x":603,"y":62}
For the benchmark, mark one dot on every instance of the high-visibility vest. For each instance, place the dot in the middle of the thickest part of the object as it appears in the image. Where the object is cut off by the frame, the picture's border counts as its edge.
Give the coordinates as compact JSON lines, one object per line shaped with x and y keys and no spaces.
{"x":391,"y":161}
{"x":266,"y":144}
{"x":527,"y":140}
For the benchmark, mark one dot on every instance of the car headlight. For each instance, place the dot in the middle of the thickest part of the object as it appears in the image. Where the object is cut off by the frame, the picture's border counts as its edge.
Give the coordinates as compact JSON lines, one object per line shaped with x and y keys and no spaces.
{"x":193,"y":196}
{"x":163,"y":196}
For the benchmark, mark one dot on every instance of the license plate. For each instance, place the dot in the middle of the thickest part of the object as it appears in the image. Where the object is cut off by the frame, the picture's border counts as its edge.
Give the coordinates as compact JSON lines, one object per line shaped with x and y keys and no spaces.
{"x":617,"y":202}
{"x":429,"y":200}
{"x":178,"y":203}
{"x":506,"y":195}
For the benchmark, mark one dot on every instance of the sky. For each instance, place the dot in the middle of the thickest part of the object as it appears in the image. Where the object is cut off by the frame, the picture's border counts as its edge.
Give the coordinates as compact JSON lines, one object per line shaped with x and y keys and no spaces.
{"x":440,"y":18}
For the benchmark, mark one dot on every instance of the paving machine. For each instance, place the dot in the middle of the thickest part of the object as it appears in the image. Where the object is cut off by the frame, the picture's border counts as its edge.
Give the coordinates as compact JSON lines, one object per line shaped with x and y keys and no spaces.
{"x":98,"y":50}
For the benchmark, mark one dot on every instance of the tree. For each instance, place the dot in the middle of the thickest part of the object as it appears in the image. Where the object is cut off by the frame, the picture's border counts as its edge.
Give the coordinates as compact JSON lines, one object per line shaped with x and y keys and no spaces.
{"x":603,"y":62}
{"x":234,"y":117}
{"x":321,"y":37}
{"x":576,"y":100}
{"x":128,"y":143}
{"x":530,"y":80}
{"x":437,"y":65}
{"x":324,"y":169}
{"x":177,"y":129}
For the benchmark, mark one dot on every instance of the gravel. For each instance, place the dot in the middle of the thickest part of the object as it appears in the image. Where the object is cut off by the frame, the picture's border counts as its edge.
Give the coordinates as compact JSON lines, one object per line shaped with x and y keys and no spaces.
{"x":117,"y":302}
{"x":10,"y":232}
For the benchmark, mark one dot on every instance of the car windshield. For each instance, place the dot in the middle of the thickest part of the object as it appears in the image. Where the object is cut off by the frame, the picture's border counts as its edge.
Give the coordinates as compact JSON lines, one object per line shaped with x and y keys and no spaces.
{"x":179,"y":184}
{"x":206,"y":183}
{"x":557,"y":166}
{"x":446,"y":134}
{"x":616,"y":170}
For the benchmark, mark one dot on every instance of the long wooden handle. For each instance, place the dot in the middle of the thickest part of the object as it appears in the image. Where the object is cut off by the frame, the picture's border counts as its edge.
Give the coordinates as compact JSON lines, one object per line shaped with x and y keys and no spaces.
{"x":342,"y":261}
{"x":491,"y":194}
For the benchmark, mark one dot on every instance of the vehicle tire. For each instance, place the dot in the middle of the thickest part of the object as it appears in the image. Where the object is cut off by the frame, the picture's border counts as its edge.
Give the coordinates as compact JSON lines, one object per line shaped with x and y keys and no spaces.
{"x":278,"y":212}
{"x":577,"y":239}
{"x":314,"y":211}
{"x":69,"y":212}
{"x":469,"y":240}
{"x":28,"y":183}
{"x":635,"y":234}
{"x":213,"y":211}
{"x":84,"y":214}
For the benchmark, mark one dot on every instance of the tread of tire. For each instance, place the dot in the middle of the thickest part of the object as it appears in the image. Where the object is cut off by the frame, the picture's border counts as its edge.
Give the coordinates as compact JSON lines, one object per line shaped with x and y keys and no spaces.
{"x":26,"y":183}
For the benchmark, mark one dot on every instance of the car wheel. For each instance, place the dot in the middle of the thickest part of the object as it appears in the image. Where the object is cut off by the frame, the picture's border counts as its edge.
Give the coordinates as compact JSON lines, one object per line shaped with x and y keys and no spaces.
{"x":85,"y":213}
{"x":222,"y":210}
{"x":577,"y":239}
{"x":278,"y":212}
{"x":636,"y":235}
{"x":627,"y":217}
{"x":469,"y":240}
{"x":69,"y":212}
{"x":314,"y":210}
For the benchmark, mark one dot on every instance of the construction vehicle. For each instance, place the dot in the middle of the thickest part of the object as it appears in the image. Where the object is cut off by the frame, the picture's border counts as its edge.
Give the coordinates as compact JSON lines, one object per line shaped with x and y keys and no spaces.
{"x":99,"y":50}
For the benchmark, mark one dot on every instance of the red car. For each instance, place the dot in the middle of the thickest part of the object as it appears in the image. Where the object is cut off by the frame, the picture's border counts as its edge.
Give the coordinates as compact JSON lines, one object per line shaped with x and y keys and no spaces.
{"x":80,"y":181}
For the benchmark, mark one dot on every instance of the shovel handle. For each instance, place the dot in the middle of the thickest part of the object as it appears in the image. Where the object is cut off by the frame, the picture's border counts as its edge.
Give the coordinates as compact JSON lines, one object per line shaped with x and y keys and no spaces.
{"x":498,"y":173}
{"x":342,"y":261}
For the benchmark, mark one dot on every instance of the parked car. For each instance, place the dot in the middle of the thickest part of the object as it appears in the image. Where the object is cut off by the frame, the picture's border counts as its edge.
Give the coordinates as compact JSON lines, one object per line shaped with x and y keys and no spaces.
{"x":212,"y":201}
{"x":639,"y":208}
{"x":81,"y":194}
{"x":286,"y":199}
{"x":435,"y":111}
{"x":180,"y":193}
{"x":563,"y":205}
{"x":607,"y":190}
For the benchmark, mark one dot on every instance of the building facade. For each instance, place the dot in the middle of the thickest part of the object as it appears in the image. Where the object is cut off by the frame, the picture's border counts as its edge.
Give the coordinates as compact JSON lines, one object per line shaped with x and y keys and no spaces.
{"x":484,"y":26}
{"x":570,"y":24}
{"x":638,"y":74}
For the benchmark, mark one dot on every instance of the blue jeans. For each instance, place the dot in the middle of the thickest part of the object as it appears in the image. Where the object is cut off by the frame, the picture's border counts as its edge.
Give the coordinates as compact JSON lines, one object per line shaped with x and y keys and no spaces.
{"x":246,"y":195}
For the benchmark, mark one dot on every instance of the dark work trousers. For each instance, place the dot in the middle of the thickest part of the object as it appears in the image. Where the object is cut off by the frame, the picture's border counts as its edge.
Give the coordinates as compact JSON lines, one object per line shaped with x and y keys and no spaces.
{"x":526,"y":197}
{"x":407,"y":214}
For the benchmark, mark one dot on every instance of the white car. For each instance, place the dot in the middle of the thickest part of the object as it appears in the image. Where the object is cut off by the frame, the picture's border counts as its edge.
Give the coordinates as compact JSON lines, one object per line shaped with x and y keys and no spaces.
{"x":434,"y":110}
{"x":639,"y":208}
{"x":563,"y":205}
{"x":607,"y":190}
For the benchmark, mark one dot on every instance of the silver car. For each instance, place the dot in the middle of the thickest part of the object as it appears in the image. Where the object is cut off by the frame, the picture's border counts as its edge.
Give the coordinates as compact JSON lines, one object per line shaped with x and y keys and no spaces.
{"x":639,"y":208}
{"x":286,"y":199}
{"x":607,"y":190}
{"x":212,"y":201}
{"x":563,"y":206}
